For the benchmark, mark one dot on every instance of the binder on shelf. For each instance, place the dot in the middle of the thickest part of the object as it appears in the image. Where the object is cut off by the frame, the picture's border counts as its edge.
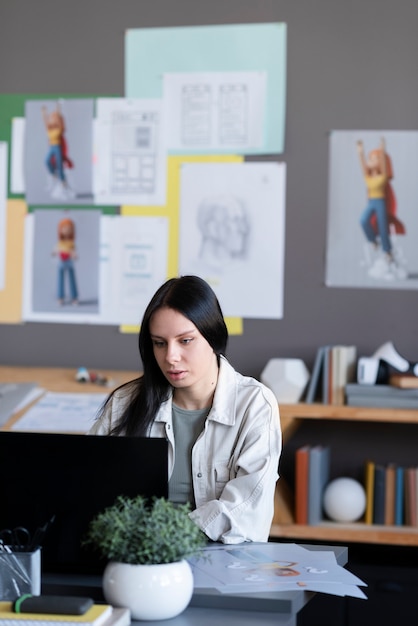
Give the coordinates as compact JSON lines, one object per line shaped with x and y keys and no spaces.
{"x":379,"y":494}
{"x":346,"y":372}
{"x":327,"y":375}
{"x":334,"y":367}
{"x":315,"y":382}
{"x":390,"y":487}
{"x":318,"y":477}
{"x":301,"y":484}
{"x":369,"y":483}
{"x":399,"y":496}
{"x":411,"y":486}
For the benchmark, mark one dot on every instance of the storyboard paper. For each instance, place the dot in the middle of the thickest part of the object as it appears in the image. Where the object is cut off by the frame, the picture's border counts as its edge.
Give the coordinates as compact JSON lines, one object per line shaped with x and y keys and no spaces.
{"x":129,"y":152}
{"x":215,"y":111}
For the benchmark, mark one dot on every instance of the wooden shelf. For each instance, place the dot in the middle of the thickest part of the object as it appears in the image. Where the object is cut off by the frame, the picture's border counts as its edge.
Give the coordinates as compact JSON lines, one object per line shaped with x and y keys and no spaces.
{"x":354,"y":533}
{"x":292,"y":416}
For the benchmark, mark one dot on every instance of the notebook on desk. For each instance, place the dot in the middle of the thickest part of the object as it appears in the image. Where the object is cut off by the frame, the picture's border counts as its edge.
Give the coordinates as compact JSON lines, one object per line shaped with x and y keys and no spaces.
{"x":73,"y":477}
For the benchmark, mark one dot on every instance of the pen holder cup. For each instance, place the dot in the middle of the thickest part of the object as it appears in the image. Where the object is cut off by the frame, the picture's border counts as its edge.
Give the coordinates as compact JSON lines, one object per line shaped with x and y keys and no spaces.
{"x":20,"y":572}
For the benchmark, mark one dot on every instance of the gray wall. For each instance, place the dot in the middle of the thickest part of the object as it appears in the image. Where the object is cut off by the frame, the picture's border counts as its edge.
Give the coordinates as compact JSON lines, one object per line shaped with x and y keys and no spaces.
{"x":351,"y":65}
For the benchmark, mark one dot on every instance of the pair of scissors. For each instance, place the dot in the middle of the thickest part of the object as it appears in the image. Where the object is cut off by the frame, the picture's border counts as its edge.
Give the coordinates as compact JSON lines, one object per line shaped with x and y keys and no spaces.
{"x":18,"y":538}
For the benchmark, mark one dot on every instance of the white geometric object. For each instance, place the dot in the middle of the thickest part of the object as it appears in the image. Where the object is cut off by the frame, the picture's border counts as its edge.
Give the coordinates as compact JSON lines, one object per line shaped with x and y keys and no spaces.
{"x":344,"y":500}
{"x":287,"y":378}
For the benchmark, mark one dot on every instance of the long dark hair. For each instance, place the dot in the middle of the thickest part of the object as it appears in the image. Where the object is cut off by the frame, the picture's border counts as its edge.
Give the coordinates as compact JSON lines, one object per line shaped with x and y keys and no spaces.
{"x":194,"y":298}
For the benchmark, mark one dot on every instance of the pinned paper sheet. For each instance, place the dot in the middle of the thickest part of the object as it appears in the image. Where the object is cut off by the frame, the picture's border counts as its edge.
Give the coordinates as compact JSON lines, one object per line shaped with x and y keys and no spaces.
{"x":153,"y":53}
{"x":11,"y":295}
{"x":171,"y":211}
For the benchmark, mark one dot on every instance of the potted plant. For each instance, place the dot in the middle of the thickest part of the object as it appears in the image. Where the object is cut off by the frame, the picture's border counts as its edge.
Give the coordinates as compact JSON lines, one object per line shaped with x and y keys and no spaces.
{"x":146,"y":544}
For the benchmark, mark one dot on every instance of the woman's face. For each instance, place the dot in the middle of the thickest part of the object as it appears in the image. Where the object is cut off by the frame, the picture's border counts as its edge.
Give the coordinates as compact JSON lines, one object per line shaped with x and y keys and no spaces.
{"x":184,"y":356}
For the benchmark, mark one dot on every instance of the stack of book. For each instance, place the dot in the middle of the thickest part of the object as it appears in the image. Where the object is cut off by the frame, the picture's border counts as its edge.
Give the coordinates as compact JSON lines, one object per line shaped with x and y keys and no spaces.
{"x":381,"y":396}
{"x":97,"y":615}
{"x":391,"y":494}
{"x":312,"y":467}
{"x":334,"y":367}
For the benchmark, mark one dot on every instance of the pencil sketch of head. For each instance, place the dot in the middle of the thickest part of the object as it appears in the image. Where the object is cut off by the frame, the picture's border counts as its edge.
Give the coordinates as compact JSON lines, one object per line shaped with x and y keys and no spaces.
{"x":225,"y":228}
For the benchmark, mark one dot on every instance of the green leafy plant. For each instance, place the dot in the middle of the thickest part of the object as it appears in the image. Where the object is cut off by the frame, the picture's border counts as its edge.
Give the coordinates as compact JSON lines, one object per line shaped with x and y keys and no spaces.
{"x":136,"y":531}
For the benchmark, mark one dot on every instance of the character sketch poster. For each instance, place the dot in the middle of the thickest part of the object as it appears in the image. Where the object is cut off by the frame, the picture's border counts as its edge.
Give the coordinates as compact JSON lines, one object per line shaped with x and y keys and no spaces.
{"x":372,"y":244}
{"x":232,"y":223}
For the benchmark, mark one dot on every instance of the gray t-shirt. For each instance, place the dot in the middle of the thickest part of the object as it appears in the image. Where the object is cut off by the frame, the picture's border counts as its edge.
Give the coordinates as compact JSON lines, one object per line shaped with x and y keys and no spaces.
{"x":187,"y":426}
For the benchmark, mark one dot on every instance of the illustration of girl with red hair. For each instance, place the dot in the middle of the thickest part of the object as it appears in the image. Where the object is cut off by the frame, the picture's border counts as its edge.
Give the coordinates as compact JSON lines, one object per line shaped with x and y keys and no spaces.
{"x":57,"y":157}
{"x":379,"y":216}
{"x":66,"y":252}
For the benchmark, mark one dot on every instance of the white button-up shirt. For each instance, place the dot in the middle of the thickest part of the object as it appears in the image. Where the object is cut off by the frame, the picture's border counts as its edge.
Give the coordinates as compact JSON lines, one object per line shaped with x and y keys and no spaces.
{"x":235,"y":459}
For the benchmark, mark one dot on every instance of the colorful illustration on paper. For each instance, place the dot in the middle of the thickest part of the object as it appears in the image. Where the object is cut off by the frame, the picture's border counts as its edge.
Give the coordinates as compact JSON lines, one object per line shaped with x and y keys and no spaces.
{"x":58,"y":151}
{"x":372,"y":225}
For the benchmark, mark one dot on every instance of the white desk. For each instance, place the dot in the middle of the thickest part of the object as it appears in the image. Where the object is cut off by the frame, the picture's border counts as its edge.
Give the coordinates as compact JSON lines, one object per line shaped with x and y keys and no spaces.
{"x":210,"y":607}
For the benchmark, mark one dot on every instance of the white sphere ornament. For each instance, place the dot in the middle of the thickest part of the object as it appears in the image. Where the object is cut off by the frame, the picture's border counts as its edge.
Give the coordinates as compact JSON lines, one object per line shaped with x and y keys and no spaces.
{"x":287,"y":378}
{"x":344,"y":500}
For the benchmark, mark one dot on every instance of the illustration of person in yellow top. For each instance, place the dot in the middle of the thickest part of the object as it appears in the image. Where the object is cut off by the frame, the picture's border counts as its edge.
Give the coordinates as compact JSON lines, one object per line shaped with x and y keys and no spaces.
{"x":57,"y":154}
{"x":66,"y":252}
{"x":377,"y":172}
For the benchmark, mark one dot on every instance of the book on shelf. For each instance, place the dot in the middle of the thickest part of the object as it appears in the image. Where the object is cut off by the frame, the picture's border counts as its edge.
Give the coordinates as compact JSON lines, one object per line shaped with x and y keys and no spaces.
{"x":390,"y":488}
{"x":327,"y":375}
{"x":380,"y":391}
{"x":301,"y":484}
{"x":315,"y":381}
{"x":369,"y":488}
{"x":318,"y":478}
{"x":411,"y":503}
{"x":334,"y":367}
{"x":399,"y":496}
{"x":383,"y":402}
{"x":381,"y":396}
{"x":404,"y":381}
{"x":391,"y":494}
{"x":97,"y":615}
{"x":345,"y":372}
{"x":379,"y":494}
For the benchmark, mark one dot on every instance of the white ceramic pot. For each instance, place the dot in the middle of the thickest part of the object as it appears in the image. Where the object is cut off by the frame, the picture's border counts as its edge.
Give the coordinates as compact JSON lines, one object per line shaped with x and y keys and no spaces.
{"x":151,"y":592}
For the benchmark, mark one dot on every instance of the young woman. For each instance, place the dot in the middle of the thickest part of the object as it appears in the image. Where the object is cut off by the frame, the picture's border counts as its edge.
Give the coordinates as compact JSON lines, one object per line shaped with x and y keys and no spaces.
{"x":223,"y":428}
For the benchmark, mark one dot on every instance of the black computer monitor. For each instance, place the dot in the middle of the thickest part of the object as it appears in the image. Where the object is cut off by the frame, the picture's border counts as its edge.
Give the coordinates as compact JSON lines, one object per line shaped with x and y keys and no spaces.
{"x":73,"y":477}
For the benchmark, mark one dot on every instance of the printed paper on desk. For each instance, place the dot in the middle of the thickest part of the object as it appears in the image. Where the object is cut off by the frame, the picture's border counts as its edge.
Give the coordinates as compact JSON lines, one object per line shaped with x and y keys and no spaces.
{"x":272,"y":567}
{"x":62,"y":412}
{"x":14,"y":396}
